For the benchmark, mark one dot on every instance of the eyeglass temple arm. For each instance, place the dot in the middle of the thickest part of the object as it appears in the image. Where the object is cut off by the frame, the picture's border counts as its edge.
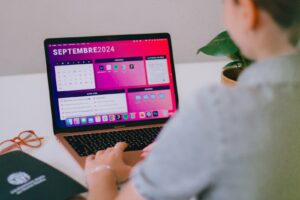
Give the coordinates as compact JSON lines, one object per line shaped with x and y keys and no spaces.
{"x":9,"y":148}
{"x":39,"y":138}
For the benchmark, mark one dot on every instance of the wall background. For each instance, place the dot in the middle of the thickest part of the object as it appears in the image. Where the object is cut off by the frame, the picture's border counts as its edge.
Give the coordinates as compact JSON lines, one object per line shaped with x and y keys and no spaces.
{"x":25,"y":24}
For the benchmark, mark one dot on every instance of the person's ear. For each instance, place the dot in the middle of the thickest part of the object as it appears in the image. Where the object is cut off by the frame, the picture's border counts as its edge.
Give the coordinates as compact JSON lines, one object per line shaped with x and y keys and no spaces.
{"x":249,"y":13}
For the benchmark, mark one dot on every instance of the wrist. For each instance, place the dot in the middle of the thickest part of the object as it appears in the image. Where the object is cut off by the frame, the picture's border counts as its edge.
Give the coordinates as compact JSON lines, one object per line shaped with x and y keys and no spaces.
{"x":102,"y":174}
{"x":102,"y":183}
{"x":102,"y":178}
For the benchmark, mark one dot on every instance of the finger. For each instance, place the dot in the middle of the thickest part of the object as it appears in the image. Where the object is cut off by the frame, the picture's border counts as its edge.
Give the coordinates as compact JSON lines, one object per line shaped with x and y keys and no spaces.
{"x":149,"y":147}
{"x":90,"y":158}
{"x":108,"y":150}
{"x":88,"y":161}
{"x":144,"y":154}
{"x":99,"y":153}
{"x":120,"y":146}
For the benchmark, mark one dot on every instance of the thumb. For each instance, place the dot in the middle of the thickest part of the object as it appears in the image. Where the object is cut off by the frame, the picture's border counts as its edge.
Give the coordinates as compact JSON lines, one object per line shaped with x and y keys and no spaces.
{"x":120,"y":146}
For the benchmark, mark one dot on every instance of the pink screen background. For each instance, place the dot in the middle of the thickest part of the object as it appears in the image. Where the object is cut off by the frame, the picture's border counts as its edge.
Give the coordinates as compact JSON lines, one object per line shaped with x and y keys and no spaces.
{"x":125,"y":79}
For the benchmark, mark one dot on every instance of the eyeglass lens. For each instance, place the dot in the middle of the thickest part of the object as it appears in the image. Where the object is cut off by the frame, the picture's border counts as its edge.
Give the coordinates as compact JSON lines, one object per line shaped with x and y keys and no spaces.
{"x":30,"y":139}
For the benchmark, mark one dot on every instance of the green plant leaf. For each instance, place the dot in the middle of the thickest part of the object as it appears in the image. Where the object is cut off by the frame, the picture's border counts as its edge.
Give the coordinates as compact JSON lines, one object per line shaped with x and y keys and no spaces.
{"x":221,"y":45}
{"x":236,"y":56}
{"x":234,"y":64}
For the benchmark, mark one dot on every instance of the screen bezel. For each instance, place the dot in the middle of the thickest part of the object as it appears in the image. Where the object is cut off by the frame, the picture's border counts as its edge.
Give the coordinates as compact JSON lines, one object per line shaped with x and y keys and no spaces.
{"x":50,"y":41}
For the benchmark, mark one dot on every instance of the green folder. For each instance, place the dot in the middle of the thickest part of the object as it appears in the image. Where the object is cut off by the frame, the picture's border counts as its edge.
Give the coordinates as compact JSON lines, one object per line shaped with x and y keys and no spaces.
{"x":27,"y":178}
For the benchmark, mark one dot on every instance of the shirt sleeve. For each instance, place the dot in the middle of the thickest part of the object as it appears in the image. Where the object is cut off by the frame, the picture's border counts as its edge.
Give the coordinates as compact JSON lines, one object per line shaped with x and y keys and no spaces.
{"x":186,"y":156}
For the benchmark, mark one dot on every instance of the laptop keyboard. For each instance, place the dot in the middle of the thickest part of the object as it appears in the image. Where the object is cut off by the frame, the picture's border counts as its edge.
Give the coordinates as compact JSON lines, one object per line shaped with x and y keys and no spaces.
{"x":137,"y":139}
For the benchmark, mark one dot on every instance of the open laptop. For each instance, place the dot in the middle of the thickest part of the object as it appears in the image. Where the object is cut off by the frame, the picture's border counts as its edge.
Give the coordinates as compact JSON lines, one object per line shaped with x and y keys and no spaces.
{"x":108,"y":89}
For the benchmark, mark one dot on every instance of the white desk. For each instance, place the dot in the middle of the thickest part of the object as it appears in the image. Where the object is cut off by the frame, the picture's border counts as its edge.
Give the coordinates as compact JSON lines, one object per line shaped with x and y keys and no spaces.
{"x":24,"y":105}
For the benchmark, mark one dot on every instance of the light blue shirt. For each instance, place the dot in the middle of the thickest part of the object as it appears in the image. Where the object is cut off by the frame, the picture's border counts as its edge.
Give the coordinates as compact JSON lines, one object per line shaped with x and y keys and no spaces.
{"x":240,"y":143}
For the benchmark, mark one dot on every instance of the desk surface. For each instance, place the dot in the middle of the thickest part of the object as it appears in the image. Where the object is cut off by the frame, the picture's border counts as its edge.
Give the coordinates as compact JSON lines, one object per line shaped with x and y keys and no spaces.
{"x":25,"y":105}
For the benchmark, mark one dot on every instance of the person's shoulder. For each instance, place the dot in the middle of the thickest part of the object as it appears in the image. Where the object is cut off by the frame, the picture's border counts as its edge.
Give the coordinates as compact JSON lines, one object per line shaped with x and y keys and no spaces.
{"x":238,"y":97}
{"x":219,"y":93}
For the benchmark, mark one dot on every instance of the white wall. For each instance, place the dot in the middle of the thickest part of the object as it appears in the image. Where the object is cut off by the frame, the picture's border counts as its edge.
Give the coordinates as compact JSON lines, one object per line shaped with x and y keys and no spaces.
{"x":24,"y":24}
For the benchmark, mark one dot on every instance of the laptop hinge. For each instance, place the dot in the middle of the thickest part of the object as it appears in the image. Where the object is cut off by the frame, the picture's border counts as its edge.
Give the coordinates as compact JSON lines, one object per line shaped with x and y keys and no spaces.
{"x":120,"y":126}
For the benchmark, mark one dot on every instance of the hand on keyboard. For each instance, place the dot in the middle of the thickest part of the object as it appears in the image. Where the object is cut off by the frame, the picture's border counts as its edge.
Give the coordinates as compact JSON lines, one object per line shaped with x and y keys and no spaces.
{"x":147,"y":150}
{"x":107,"y":161}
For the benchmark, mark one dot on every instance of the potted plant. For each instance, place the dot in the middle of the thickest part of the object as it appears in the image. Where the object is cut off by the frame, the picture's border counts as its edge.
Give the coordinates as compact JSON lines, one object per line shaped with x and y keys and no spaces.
{"x":222,"y":45}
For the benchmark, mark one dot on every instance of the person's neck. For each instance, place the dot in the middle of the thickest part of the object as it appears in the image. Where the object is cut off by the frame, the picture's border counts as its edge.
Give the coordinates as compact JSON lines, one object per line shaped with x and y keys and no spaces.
{"x":271,"y":40}
{"x":274,"y":50}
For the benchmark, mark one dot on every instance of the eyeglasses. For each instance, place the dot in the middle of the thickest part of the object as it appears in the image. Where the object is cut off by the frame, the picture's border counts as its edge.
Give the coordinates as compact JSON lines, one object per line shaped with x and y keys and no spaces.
{"x":26,"y":138}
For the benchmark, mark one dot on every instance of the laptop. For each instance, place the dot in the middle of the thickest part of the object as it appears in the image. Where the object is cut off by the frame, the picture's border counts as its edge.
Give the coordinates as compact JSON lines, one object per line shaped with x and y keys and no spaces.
{"x":108,"y":89}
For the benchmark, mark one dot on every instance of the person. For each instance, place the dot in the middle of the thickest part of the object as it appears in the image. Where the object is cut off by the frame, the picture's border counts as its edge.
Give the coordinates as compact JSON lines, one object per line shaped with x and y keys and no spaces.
{"x":237,"y":143}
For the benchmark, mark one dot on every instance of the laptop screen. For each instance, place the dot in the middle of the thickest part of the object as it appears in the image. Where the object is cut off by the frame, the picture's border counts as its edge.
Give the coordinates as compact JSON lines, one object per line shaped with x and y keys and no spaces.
{"x":98,"y":81}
